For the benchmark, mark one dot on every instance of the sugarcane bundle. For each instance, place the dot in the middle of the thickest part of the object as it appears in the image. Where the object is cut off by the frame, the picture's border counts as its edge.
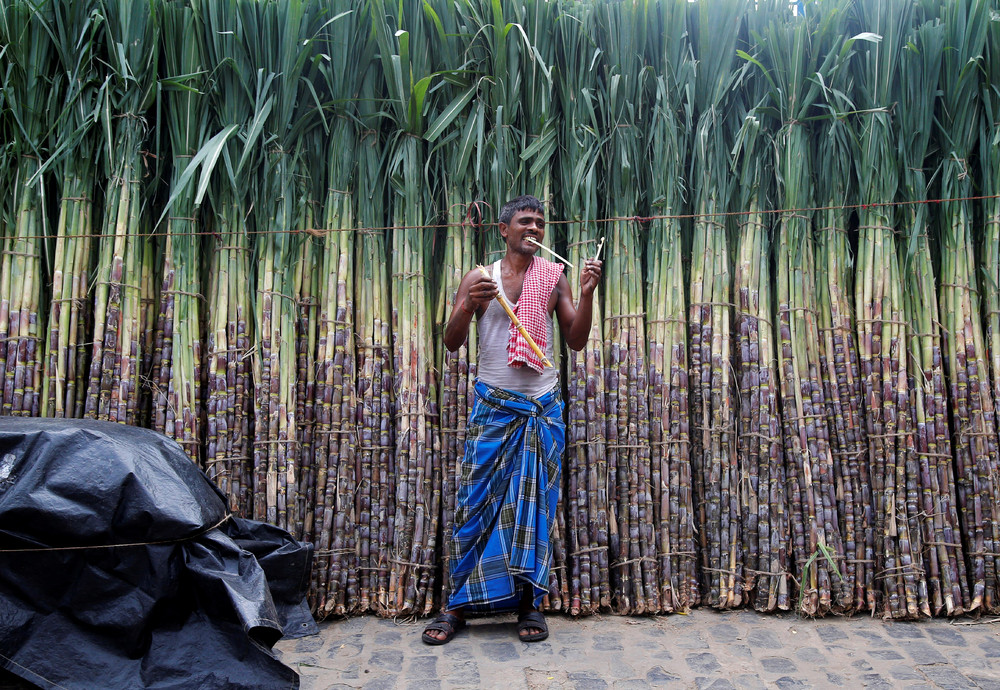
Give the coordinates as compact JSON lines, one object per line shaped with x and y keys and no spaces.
{"x":623,"y":108}
{"x":971,"y":398}
{"x":944,"y":560}
{"x":334,"y":480}
{"x":713,"y":410}
{"x":666,"y":320}
{"x":340,"y":486}
{"x":113,"y":388}
{"x":537,"y":158}
{"x":373,"y":394}
{"x":834,"y":154}
{"x":791,"y":55}
{"x":762,"y":494}
{"x":277,"y":246}
{"x":236,"y":107}
{"x":177,"y":350}
{"x":882,"y":335}
{"x":455,"y":134}
{"x":64,"y":383}
{"x":418,"y":469}
{"x":27,"y":32}
{"x":586,"y":496}
{"x":310,"y":273}
{"x":989,"y":161}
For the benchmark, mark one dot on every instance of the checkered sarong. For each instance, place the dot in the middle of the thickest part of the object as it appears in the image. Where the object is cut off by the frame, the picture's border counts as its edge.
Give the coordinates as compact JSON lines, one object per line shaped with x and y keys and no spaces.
{"x":507,"y":494}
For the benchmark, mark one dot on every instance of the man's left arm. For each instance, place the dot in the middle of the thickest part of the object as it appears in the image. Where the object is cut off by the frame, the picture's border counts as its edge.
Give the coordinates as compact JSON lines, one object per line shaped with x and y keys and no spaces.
{"x":574,"y":320}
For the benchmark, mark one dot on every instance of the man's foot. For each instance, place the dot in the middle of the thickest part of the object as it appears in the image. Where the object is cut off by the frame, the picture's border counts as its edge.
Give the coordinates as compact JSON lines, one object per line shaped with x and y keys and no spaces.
{"x":531,"y":626}
{"x":443,"y":628}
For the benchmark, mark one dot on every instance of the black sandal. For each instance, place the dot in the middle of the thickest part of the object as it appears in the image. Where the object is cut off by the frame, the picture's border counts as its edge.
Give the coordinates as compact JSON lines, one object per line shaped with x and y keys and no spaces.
{"x":448,"y":623}
{"x":532,"y":619}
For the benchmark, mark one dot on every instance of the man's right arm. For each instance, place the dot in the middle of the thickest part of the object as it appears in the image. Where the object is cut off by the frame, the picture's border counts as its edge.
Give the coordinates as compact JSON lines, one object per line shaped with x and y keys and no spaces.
{"x":474,"y":295}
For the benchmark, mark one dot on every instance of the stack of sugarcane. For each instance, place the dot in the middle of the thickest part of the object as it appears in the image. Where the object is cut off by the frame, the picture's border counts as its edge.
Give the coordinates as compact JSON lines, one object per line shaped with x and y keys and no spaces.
{"x":340,"y":483}
{"x":376,"y":395}
{"x":989,"y":162}
{"x":789,"y":49}
{"x":312,"y":276}
{"x":26,"y":31}
{"x":113,"y":388}
{"x":882,"y":325}
{"x":332,"y":480}
{"x":666,"y":318}
{"x":585,"y":462}
{"x":237,"y":107}
{"x":762,"y":491}
{"x":944,"y":560}
{"x":278,"y":216}
{"x":65,"y":361}
{"x":632,"y":544}
{"x":713,"y":396}
{"x":455,"y":134}
{"x":989,"y":159}
{"x":177,"y":357}
{"x":844,"y":402}
{"x":406,"y":69}
{"x":972,"y":404}
{"x":537,"y":159}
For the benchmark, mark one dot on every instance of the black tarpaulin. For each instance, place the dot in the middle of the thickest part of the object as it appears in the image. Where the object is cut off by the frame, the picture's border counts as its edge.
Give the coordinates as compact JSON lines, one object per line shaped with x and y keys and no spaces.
{"x":121,"y":568}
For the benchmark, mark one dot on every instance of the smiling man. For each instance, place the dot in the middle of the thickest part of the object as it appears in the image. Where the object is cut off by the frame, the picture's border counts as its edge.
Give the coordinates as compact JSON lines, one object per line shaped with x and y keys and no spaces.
{"x":509,"y":473}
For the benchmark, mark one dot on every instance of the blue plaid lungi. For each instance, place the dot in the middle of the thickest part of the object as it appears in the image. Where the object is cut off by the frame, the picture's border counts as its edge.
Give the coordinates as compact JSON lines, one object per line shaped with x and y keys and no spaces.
{"x":507,"y":495}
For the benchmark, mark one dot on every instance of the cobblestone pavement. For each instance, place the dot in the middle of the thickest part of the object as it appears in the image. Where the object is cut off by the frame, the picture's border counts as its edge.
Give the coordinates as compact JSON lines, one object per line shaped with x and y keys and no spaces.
{"x":706,"y":649}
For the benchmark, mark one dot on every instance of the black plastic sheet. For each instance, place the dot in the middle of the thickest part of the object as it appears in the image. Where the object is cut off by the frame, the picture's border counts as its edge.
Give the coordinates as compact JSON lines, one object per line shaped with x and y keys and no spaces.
{"x":121,"y":568}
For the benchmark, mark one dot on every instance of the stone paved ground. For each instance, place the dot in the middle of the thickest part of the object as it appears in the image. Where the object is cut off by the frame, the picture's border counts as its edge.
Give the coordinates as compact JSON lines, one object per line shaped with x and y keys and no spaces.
{"x":706,"y":649}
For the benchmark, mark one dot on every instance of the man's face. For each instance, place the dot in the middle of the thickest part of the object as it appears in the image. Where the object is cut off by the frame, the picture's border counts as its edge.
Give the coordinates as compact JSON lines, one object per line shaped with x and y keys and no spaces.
{"x":524,"y":225}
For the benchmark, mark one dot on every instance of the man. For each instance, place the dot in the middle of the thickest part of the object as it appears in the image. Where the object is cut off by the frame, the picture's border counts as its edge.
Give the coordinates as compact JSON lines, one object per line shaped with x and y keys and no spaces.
{"x":509,"y":474}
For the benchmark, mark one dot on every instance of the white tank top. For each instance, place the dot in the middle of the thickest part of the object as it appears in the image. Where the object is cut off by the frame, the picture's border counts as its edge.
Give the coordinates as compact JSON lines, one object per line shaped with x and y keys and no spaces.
{"x":494,"y":331}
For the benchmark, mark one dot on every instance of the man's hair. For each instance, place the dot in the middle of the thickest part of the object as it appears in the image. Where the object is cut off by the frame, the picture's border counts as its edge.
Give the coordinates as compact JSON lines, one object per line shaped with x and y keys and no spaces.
{"x":520,"y":203}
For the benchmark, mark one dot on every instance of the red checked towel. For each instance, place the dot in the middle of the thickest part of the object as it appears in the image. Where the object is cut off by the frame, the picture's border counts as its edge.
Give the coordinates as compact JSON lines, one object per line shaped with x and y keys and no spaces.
{"x":532,"y":311}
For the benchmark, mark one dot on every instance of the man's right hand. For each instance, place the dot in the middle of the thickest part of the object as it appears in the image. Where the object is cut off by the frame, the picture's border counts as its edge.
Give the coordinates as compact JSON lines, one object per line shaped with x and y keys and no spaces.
{"x":476,"y":291}
{"x":481,"y":291}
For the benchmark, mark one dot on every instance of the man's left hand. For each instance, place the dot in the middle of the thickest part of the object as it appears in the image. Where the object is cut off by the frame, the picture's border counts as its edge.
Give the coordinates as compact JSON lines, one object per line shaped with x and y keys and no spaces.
{"x":590,"y":276}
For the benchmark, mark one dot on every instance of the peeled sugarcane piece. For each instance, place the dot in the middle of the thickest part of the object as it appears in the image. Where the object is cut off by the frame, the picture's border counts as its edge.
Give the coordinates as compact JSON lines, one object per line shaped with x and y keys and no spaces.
{"x":542,"y":246}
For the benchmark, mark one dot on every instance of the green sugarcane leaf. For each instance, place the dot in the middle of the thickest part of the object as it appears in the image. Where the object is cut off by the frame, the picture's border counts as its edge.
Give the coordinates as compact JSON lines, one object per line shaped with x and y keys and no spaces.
{"x":436,"y":20}
{"x":253,"y":133}
{"x":469,"y":136}
{"x":867,"y":36}
{"x":417,"y":99}
{"x":206,"y":158}
{"x":211,"y":150}
{"x":448,"y":115}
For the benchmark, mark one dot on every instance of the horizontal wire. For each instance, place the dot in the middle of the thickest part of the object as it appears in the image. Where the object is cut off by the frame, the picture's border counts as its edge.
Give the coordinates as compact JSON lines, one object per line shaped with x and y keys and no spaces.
{"x":318,"y":232}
